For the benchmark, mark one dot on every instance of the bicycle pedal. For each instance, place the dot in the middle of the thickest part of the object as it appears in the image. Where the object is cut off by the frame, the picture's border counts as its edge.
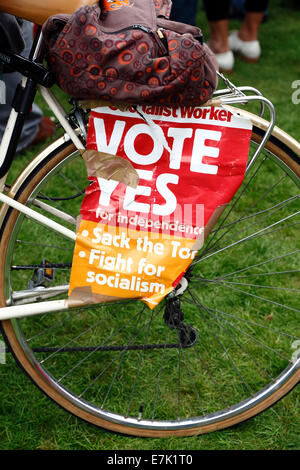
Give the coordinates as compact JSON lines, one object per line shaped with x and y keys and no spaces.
{"x":42,"y":276}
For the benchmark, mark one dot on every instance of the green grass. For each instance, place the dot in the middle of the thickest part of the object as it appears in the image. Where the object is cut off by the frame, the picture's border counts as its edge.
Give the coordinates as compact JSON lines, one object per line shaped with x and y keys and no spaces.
{"x":29,"y":420}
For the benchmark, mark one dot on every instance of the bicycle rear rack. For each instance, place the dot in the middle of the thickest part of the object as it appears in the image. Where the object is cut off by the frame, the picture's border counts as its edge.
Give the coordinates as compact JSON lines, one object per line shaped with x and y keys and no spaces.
{"x":237,"y":95}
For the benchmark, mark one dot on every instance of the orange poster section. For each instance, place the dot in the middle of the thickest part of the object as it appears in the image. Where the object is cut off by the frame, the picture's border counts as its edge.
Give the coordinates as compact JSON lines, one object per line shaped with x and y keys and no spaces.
{"x":123,"y":263}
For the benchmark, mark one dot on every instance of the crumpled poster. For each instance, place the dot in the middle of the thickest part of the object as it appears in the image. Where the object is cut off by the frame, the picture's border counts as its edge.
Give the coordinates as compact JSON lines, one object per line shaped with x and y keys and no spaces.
{"x":137,"y":238}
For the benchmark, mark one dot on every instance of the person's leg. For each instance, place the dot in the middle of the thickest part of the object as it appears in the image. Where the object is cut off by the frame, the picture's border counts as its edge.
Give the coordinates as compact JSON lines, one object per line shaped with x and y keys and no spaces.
{"x":217,"y":13}
{"x":250,"y":26}
{"x":219,"y":36}
{"x":255,"y":11}
{"x":245,"y":41}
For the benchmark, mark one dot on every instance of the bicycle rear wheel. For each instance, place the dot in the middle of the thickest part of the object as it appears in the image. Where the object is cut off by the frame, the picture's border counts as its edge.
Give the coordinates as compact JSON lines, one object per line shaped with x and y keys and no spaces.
{"x":119,"y":365}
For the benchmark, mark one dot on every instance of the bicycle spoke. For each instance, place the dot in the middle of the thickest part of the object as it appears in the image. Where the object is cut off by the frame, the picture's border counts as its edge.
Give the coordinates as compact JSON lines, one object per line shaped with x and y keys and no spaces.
{"x":237,"y":342}
{"x":260,"y":286}
{"x":44,"y":245}
{"x":94,"y":351}
{"x":192,"y":380}
{"x":231,"y":208}
{"x":235,"y":317}
{"x":139,"y":365}
{"x":251,"y":237}
{"x":265,"y":346}
{"x":276,"y":209}
{"x":274,"y":273}
{"x":189,"y":372}
{"x":220,"y":342}
{"x":76,"y":338}
{"x":69,"y":182}
{"x":275,"y":258}
{"x":70,"y":318}
{"x":54,"y":326}
{"x":179,"y":384}
{"x":121,"y":353}
{"x":222,"y":284}
{"x":210,"y":376}
{"x":159,"y":375}
{"x":245,"y":215}
{"x":121,"y":357}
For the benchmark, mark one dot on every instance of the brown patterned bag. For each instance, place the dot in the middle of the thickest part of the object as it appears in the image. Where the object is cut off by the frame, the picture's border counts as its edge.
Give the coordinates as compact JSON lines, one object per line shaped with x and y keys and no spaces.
{"x":130,"y":52}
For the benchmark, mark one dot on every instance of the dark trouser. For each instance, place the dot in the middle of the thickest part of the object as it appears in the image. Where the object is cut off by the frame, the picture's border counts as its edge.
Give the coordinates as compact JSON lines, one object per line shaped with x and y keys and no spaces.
{"x":11,"y":80}
{"x":184,"y":11}
{"x":219,"y":9}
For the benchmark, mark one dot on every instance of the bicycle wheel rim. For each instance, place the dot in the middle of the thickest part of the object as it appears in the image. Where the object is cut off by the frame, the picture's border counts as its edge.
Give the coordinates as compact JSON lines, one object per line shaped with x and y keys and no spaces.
{"x":224,"y":417}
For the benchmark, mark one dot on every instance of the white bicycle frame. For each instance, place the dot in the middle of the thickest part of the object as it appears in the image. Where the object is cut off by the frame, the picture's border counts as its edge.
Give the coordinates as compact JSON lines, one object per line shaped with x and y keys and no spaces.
{"x":228,"y":96}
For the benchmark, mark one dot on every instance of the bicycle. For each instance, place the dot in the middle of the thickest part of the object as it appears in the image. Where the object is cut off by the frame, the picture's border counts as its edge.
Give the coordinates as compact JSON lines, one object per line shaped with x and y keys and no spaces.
{"x":119,"y":365}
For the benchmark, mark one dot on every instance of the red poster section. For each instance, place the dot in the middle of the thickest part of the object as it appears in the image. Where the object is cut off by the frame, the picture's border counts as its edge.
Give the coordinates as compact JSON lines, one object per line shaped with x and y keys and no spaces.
{"x":139,"y":242}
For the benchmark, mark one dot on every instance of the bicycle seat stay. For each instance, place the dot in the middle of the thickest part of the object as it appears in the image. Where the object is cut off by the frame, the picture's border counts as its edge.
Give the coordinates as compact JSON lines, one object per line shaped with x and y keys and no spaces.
{"x":38,"y":12}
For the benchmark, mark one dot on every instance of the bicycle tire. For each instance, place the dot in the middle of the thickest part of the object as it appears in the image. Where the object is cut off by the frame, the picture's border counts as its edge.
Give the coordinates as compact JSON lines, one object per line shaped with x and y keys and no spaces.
{"x":15,"y":331}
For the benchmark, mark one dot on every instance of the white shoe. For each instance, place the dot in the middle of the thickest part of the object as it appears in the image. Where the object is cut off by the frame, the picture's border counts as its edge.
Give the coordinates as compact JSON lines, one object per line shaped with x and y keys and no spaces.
{"x":225,"y":61}
{"x":248,"y":50}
